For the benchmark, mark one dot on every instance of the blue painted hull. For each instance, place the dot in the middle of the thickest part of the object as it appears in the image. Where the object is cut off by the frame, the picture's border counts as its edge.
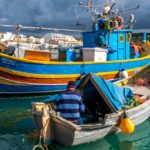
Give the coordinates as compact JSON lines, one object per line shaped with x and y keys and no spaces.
{"x":28,"y":76}
{"x":33,"y":89}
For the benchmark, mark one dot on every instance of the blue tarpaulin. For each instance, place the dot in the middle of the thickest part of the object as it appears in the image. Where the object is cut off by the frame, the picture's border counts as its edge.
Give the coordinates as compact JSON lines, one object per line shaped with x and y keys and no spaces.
{"x":117,"y":96}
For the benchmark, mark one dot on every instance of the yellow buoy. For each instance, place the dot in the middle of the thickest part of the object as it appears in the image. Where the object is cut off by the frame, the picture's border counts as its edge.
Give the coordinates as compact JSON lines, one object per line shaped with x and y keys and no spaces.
{"x":126,"y":124}
{"x":148,"y":43}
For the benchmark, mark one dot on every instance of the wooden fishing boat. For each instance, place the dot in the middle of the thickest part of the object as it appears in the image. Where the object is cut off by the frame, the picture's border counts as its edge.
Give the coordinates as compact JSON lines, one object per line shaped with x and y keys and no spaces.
{"x":101,"y":99}
{"x":106,"y":51}
{"x":18,"y":76}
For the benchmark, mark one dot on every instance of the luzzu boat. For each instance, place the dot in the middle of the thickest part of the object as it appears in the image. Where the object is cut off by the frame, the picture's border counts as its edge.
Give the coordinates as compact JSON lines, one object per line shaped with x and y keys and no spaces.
{"x":106,"y":51}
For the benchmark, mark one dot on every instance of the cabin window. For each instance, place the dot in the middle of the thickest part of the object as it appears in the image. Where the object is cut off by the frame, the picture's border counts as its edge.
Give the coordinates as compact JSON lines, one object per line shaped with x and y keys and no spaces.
{"x":121,"y":38}
{"x":128,"y":37}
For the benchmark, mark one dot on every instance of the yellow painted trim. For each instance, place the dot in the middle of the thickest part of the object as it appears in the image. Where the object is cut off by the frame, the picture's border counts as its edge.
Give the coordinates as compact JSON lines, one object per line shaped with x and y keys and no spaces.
{"x":4,"y":81}
{"x":46,"y":76}
{"x":70,"y":63}
{"x":38,"y":75}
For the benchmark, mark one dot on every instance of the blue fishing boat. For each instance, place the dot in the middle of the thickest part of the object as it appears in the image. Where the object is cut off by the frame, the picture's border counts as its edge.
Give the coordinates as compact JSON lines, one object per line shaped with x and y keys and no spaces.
{"x":106,"y":52}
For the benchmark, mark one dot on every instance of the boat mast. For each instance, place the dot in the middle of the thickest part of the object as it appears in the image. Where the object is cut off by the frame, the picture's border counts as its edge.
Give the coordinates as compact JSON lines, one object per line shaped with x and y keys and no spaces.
{"x":90,"y":6}
{"x":123,"y":3}
{"x":18,"y":37}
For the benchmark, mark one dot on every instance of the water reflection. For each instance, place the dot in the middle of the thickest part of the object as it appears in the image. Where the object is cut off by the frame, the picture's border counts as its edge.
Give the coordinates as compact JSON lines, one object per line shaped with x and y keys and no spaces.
{"x":126,"y":145}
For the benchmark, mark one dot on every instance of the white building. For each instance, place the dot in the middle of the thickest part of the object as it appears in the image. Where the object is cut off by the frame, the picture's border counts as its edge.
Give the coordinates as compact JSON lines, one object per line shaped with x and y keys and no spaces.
{"x":6,"y":36}
{"x":61,"y":39}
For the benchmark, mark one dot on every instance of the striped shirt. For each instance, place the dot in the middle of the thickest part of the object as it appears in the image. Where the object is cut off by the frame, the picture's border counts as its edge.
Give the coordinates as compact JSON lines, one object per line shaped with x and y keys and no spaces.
{"x":70,"y":104}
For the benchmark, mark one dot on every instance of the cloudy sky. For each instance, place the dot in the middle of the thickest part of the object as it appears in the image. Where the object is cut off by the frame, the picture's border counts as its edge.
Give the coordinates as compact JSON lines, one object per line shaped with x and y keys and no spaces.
{"x":61,"y":13}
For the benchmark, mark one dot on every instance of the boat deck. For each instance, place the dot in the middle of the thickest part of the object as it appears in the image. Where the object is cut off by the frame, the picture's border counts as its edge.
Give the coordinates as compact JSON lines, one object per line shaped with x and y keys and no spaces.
{"x":144,"y":91}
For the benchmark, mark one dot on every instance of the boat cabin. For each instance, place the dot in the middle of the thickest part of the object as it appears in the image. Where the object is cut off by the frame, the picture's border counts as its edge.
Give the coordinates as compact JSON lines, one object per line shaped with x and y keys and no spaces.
{"x":101,"y":97}
{"x":116,"y":43}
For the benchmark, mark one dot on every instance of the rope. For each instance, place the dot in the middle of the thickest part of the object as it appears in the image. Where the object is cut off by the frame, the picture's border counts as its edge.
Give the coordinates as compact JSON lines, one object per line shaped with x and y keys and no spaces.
{"x":39,"y":145}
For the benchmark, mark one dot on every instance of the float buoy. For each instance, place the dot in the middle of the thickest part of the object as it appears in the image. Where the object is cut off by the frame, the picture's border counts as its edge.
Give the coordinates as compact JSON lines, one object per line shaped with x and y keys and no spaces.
{"x":123,"y":74}
{"x":126,"y":124}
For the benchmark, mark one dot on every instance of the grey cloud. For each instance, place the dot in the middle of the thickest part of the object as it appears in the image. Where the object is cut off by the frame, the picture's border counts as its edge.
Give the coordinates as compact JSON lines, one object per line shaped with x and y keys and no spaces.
{"x":61,"y":12}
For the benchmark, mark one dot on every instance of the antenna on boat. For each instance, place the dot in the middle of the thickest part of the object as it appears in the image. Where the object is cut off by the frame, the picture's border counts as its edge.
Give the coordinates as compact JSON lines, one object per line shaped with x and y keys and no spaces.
{"x":123,"y":3}
{"x":134,"y":8}
{"x":131,"y":20}
{"x":77,"y":19}
{"x":106,"y":7}
{"x":90,"y":7}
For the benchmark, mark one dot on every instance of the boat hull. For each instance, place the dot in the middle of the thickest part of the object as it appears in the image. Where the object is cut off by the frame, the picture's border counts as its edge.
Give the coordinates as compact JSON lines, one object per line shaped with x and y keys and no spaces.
{"x":58,"y":128}
{"x":138,"y":115}
{"x":28,"y":76}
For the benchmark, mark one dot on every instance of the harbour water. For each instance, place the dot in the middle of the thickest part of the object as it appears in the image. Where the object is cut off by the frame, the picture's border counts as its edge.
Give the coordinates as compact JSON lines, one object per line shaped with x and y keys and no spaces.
{"x":17,"y":130}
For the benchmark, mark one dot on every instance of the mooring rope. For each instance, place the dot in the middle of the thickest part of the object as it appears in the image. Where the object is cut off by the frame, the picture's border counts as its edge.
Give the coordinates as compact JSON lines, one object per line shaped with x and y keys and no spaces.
{"x":39,"y":145}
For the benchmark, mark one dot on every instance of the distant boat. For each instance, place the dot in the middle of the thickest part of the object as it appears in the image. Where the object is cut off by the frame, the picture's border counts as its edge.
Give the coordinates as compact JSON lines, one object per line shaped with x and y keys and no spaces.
{"x":104,"y":101}
{"x":106,"y":51}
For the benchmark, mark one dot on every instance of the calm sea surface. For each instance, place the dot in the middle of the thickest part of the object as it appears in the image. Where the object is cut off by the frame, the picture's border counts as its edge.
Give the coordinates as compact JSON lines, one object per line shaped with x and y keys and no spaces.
{"x":17,"y":130}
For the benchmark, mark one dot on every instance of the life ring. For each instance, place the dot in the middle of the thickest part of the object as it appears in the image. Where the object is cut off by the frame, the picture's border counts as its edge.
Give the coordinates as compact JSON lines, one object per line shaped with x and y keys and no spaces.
{"x":118,"y":23}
